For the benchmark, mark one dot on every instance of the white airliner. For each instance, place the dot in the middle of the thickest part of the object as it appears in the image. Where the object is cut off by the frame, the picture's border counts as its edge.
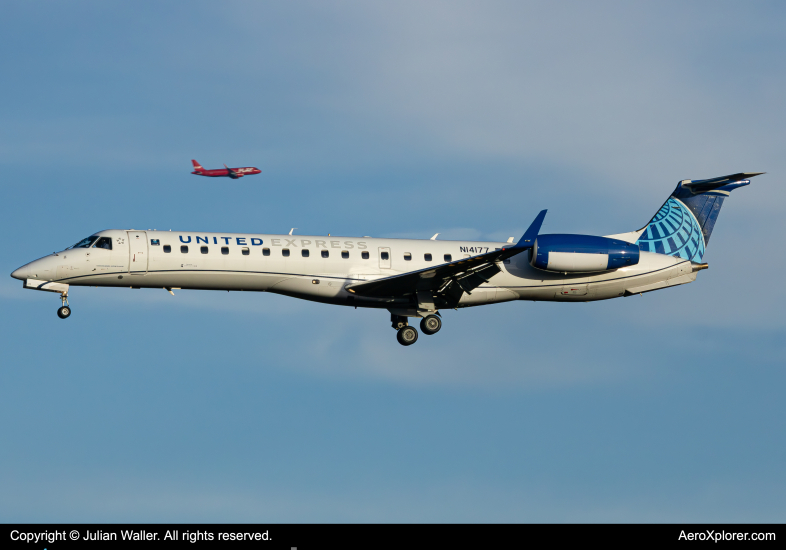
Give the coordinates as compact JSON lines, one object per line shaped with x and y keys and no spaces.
{"x":410,"y":278}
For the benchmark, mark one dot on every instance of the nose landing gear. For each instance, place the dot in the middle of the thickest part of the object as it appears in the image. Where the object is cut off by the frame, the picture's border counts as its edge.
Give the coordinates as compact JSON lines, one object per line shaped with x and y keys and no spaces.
{"x":64,"y":311}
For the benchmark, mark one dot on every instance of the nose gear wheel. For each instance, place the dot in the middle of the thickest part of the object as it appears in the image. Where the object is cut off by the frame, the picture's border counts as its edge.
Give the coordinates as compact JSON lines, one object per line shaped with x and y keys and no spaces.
{"x":64,"y":311}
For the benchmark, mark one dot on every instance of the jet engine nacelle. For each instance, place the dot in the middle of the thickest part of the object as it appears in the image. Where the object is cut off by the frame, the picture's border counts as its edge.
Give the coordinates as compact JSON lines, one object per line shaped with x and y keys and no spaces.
{"x":581,"y":253}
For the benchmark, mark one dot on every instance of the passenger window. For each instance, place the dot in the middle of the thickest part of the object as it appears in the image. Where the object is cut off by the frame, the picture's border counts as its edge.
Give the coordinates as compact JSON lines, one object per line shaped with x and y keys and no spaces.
{"x":304,"y":252}
{"x":266,"y":252}
{"x":153,"y":242}
{"x":407,"y":256}
{"x":345,"y":254}
{"x":385,"y":256}
{"x":167,"y":248}
{"x":203,"y":249}
{"x":325,"y":253}
{"x":448,"y":258}
{"x":104,"y":242}
{"x":224,"y":250}
{"x":244,"y":251}
{"x":427,"y":257}
{"x":285,"y":252}
{"x":184,"y":249}
{"x":364,"y":255}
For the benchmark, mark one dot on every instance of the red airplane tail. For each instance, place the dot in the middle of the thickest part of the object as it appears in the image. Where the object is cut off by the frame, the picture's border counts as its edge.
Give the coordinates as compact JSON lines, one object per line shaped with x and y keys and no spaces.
{"x":197,"y":166}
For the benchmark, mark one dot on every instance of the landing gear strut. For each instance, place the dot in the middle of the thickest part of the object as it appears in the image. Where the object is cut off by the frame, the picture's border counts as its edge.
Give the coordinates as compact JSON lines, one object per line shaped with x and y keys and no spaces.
{"x":64,"y":311}
{"x":398,"y":321}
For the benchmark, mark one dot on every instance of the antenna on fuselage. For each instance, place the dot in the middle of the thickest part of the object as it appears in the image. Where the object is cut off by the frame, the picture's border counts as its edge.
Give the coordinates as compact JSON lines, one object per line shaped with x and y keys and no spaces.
{"x":291,"y":230}
{"x":434,"y":238}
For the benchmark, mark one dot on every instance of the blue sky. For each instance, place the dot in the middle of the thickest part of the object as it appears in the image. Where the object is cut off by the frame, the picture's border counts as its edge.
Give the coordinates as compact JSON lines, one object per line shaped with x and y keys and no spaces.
{"x":405,"y":119}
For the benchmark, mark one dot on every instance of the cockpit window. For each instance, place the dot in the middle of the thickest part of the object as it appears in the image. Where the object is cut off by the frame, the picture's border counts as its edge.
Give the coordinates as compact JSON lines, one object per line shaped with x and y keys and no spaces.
{"x":104,"y":242}
{"x":84,"y":243}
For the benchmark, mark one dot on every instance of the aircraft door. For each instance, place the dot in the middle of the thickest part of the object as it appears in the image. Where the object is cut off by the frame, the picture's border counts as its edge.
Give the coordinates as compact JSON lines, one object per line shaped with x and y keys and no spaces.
{"x":384,"y":257}
{"x":137,"y":252}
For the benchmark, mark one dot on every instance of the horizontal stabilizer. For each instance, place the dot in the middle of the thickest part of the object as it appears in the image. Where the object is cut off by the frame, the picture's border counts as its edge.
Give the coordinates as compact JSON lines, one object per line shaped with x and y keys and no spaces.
{"x":702,"y":186}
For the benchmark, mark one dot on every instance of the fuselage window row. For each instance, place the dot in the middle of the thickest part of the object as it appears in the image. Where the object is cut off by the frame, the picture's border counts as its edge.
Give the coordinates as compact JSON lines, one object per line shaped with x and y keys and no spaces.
{"x":305,"y":253}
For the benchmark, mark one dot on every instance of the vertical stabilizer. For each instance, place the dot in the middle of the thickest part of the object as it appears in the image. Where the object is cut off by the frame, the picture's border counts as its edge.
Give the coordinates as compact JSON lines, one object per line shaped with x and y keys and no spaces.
{"x":683,"y":225}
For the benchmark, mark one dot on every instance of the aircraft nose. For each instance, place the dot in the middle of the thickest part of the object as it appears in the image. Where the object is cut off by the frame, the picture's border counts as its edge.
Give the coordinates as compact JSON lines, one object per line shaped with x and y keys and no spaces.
{"x":20,"y":273}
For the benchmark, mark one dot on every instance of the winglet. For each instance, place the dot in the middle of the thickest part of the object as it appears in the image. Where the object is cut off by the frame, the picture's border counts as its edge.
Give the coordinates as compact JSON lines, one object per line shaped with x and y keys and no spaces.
{"x":528,"y":239}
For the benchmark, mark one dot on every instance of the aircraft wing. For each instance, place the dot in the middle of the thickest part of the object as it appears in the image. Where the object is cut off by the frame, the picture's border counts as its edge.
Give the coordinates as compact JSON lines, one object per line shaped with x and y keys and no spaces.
{"x":232,"y":174}
{"x":449,"y":281}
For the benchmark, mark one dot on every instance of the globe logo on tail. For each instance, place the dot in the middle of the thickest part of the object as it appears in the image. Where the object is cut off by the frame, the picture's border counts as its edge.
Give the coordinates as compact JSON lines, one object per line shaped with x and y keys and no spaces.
{"x":674,"y":231}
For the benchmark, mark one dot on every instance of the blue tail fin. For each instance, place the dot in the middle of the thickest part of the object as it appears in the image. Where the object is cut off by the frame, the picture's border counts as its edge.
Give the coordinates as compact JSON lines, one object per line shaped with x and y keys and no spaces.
{"x":683,"y":225}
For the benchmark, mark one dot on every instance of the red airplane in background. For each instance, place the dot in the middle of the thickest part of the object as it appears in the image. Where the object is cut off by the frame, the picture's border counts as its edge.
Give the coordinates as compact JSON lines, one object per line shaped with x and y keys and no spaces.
{"x":228,"y":172}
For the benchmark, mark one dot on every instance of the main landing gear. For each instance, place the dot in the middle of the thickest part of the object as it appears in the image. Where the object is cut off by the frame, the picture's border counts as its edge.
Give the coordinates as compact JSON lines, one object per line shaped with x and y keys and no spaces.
{"x":431,"y":324}
{"x":407,"y":335}
{"x":64,"y":311}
